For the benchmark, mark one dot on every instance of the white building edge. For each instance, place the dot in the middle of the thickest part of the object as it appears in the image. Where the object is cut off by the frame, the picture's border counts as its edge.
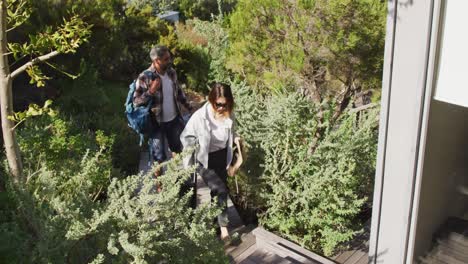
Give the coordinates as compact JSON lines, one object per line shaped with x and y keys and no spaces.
{"x":422,"y":163}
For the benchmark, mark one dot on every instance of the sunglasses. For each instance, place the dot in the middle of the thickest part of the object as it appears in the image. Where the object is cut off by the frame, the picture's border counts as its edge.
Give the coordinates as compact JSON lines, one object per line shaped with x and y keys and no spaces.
{"x":219,"y":105}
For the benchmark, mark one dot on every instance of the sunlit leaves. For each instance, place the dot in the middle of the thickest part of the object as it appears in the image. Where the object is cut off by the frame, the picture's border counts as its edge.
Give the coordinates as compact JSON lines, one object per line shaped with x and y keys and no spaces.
{"x":18,"y":11}
{"x":293,"y":41}
{"x":33,"y":110}
{"x":65,"y":39}
{"x":37,"y":77}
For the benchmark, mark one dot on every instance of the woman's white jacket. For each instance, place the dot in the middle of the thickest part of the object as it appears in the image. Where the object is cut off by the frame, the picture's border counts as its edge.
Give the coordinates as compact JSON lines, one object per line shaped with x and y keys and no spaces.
{"x":198,"y":130}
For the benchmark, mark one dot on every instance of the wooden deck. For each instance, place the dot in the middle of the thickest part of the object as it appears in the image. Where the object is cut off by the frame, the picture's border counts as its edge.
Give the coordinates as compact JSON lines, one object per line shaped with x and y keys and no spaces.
{"x":261,"y":246}
{"x":358,"y":249}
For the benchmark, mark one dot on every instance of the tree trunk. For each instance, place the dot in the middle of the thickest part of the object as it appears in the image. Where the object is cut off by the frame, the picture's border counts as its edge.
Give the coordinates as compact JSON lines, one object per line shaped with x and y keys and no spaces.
{"x":343,"y":102}
{"x":6,"y":103}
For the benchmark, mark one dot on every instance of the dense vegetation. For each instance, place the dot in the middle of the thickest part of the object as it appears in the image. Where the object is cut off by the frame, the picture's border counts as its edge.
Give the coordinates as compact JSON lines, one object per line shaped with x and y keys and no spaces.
{"x":304,"y":70}
{"x":298,"y":70}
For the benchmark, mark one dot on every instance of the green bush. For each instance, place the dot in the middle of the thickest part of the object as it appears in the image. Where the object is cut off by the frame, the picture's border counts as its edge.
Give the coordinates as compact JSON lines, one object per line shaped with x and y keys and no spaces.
{"x":191,"y":57}
{"x":72,"y":210}
{"x":204,"y":9}
{"x":217,"y":44}
{"x":81,"y":97}
{"x":147,"y":227}
{"x":309,"y":196}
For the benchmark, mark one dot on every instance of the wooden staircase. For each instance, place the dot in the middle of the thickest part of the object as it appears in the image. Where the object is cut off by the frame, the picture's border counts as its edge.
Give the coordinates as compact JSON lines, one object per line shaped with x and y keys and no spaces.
{"x":450,"y":243}
{"x":260,"y":246}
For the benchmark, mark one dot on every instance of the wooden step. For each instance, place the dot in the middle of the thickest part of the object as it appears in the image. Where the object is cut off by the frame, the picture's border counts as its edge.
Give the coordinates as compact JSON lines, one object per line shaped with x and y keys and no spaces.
{"x":287,"y":249}
{"x":263,"y":256}
{"x":454,"y":252}
{"x":450,"y":243}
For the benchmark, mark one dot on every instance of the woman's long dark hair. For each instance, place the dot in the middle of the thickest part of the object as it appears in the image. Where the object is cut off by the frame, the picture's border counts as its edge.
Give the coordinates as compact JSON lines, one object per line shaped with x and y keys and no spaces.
{"x":222,"y":90}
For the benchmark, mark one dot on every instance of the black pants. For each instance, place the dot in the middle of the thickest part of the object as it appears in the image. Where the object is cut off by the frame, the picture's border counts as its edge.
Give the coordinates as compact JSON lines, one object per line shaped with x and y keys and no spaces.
{"x":216,"y":179}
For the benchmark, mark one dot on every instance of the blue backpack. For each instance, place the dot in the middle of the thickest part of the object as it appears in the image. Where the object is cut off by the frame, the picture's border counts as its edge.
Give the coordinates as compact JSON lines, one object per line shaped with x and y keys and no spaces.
{"x":138,"y":116}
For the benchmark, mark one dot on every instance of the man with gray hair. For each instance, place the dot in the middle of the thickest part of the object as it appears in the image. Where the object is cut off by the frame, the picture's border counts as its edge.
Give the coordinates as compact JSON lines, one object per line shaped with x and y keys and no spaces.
{"x":168,"y":98}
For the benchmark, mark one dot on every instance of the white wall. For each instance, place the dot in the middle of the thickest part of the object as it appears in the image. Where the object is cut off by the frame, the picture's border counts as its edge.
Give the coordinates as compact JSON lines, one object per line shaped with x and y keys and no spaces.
{"x":451,"y":84}
{"x":445,"y":167}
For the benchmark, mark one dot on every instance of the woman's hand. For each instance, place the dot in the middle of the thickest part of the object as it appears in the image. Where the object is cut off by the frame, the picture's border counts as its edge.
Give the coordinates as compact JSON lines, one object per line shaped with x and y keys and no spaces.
{"x":235,"y":167}
{"x":237,"y":140}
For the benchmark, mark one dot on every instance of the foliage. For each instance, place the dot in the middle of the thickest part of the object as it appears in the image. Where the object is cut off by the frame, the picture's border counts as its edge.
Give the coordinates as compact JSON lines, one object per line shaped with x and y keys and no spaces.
{"x":356,"y":46}
{"x":312,"y":199}
{"x":122,"y":36}
{"x":33,"y":110}
{"x":18,"y":11}
{"x":217,"y":43}
{"x":81,"y":97}
{"x":308,"y":46}
{"x":191,"y":57}
{"x":54,"y":143}
{"x":147,"y":226}
{"x":70,"y":210}
{"x":64,"y":39}
{"x":40,"y":48}
{"x":205,"y":9}
{"x":258,"y":50}
{"x":158,"y":6}
{"x":199,"y":49}
{"x":189,"y":9}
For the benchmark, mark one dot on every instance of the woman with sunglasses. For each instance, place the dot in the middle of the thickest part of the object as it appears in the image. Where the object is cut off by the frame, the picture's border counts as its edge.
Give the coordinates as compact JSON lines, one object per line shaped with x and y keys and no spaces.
{"x":211,"y":129}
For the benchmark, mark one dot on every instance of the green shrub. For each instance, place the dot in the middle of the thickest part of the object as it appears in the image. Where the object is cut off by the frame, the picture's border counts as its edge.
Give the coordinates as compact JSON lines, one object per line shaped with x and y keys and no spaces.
{"x":217,"y":44}
{"x":204,"y":9}
{"x":81,"y":97}
{"x":147,"y":227}
{"x":191,"y":58}
{"x":309,"y":196}
{"x":61,"y":216}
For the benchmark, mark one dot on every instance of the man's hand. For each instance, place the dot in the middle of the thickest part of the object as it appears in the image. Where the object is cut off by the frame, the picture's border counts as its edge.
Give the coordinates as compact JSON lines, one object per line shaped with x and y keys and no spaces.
{"x":155,"y":85}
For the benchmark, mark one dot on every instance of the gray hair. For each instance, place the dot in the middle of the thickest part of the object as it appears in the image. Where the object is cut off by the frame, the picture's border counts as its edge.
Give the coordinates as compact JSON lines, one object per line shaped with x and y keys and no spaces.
{"x":158,"y":52}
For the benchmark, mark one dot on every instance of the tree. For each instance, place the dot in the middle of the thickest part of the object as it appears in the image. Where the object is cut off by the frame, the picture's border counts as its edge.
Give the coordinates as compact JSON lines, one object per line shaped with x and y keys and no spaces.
{"x":327,"y":50}
{"x":40,"y":48}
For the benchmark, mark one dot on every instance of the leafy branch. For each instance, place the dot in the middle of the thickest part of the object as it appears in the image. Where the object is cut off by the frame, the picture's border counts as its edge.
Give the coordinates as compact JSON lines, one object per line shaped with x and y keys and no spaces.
{"x":33,"y":110}
{"x":66,"y":39}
